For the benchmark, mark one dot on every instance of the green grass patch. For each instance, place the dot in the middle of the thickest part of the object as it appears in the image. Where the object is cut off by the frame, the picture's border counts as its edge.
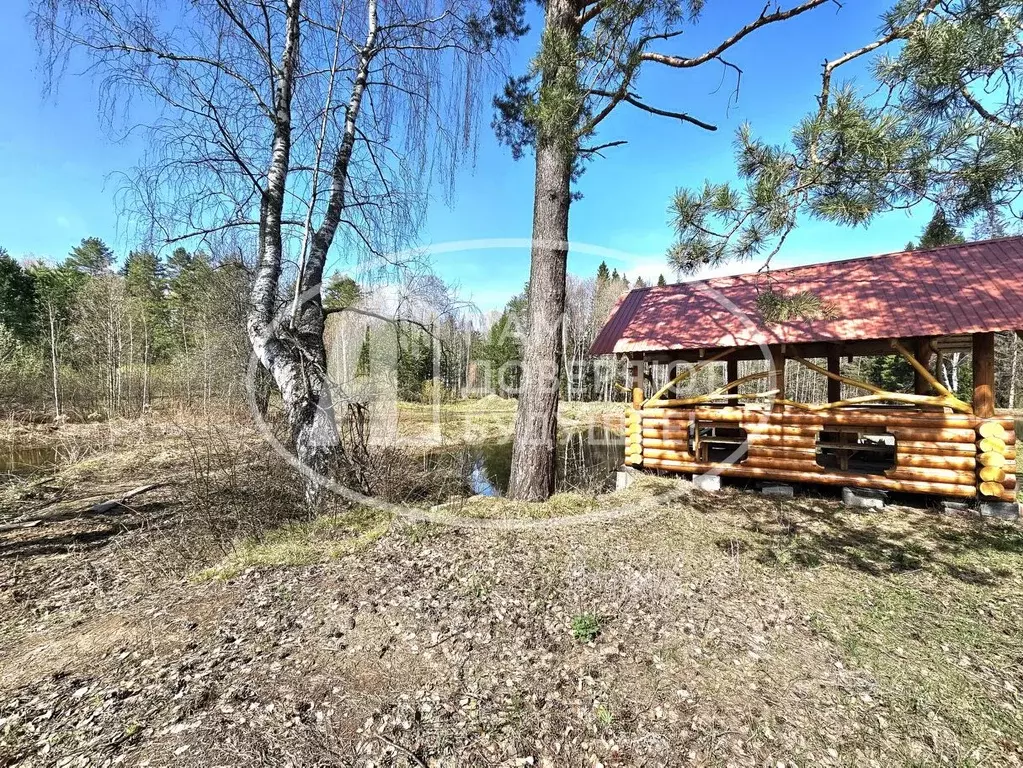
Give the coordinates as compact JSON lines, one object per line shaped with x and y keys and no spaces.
{"x":304,"y":543}
{"x":586,"y":627}
{"x":645,"y":489}
{"x":942,"y":653}
{"x":930,"y":606}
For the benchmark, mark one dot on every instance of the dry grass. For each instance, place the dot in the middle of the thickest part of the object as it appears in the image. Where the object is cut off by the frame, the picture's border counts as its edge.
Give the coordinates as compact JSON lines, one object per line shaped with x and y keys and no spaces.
{"x":725,"y":629}
{"x":303,"y":543}
{"x":492,"y":417}
{"x":665,"y":626}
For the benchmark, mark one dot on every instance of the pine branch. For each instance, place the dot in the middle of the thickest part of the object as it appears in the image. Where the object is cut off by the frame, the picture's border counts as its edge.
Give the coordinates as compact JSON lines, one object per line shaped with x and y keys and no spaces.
{"x":596,"y":150}
{"x":635,"y":101}
{"x":898,"y":33}
{"x":763,"y":20}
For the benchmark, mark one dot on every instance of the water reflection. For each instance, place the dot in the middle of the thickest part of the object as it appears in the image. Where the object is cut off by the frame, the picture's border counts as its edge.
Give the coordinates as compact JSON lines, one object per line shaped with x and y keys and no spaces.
{"x":19,"y":460}
{"x":586,"y":460}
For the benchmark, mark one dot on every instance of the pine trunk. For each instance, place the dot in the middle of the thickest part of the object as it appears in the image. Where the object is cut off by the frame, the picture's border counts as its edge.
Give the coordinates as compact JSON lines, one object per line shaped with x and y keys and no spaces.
{"x":536,"y":421}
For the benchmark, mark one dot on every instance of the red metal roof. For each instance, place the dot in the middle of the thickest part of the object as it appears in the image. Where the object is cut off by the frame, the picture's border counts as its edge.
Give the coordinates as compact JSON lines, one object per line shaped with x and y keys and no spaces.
{"x":937,"y":292}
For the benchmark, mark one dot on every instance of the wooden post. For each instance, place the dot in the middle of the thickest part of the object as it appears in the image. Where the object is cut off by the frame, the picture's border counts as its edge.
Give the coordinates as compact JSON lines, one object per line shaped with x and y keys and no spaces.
{"x":922,"y":352}
{"x":636,"y":372}
{"x":834,"y":366}
{"x":731,"y":374}
{"x":778,"y":365}
{"x":984,"y":374}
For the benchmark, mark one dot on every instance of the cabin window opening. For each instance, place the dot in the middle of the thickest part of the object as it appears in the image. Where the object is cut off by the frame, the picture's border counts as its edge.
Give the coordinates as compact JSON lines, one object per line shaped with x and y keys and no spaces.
{"x":866,"y":452}
{"x":713,"y":442}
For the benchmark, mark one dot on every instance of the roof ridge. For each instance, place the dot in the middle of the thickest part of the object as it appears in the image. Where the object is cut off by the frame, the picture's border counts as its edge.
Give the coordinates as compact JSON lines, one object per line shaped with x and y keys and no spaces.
{"x":872,"y":257}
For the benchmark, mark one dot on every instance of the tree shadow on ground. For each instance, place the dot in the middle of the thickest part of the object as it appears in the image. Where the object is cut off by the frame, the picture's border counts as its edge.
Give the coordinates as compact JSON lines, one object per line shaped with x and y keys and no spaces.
{"x":80,"y":533}
{"x":807,"y":533}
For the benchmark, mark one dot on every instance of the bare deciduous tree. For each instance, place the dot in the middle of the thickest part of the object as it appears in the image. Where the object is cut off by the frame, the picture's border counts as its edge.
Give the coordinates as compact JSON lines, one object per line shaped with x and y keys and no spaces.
{"x":319,"y":124}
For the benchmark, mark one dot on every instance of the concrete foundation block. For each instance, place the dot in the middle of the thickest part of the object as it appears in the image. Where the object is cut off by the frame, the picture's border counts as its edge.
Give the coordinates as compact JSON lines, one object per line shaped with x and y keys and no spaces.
{"x":779,"y":490}
{"x":956,"y":508}
{"x":1004,"y":510}
{"x":624,"y":477}
{"x":863,"y":498}
{"x":707,"y":482}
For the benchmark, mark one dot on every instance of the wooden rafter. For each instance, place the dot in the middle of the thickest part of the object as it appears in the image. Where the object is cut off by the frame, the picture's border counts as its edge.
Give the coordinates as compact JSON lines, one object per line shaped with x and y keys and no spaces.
{"x":921,"y":369}
{"x":697,"y":399}
{"x":685,"y":375}
{"x":946,"y":399}
{"x":734,"y":385}
{"x":729,"y":391}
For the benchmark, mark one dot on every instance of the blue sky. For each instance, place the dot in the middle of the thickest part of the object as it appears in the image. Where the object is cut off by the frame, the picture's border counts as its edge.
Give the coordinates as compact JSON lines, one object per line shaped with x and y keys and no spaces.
{"x":60,"y":182}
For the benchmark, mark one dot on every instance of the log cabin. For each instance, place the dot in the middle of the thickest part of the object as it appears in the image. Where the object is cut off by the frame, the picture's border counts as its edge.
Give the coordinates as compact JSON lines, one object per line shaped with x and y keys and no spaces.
{"x":921,"y":305}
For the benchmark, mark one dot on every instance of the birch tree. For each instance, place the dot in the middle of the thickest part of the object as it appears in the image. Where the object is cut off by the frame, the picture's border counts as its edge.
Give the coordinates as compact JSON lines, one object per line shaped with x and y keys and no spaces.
{"x":56,"y":288}
{"x":312,"y":123}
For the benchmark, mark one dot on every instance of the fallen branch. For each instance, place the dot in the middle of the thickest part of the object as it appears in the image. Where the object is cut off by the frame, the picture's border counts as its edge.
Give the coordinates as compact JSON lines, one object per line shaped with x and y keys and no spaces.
{"x":111,"y":504}
{"x":94,"y":505}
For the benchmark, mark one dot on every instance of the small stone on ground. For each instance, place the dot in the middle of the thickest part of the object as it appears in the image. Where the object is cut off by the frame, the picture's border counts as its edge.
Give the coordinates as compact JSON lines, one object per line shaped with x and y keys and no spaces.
{"x":707,"y":482}
{"x":863,"y":498}
{"x":955,"y":507}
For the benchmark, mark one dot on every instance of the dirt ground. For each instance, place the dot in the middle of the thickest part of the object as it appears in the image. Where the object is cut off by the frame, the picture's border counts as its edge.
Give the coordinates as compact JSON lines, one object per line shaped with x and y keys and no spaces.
{"x":202,"y":624}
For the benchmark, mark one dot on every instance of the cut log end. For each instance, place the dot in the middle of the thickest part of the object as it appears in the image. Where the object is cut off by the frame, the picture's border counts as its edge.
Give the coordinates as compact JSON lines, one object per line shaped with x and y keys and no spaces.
{"x":992,"y":429}
{"x":994,"y":490}
{"x":992,"y":474}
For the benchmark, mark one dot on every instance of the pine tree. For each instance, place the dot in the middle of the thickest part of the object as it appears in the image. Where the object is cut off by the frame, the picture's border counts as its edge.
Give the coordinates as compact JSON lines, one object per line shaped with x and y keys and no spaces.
{"x":146,"y":286}
{"x":639,"y":283}
{"x":602,"y":274}
{"x":189,"y":280}
{"x":890,"y":372}
{"x":17,"y":298}
{"x":91,"y":257}
{"x":588,"y":64}
{"x":942,"y":134}
{"x":939,"y":231}
{"x":661,"y":282}
{"x":341,"y":292}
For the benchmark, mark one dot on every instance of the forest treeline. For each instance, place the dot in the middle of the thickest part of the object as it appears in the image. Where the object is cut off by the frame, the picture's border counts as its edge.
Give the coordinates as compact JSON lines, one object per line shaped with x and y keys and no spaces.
{"x":88,"y":336}
{"x":96,"y":336}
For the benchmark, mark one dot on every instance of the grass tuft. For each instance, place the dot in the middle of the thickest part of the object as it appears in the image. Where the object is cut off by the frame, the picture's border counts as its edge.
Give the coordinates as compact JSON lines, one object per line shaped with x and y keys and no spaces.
{"x":586,"y":627}
{"x":304,"y":543}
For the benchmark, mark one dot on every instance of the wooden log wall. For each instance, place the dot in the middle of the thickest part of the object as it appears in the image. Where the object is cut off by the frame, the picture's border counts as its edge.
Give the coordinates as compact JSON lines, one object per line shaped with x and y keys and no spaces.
{"x":996,"y":459}
{"x":944,"y":454}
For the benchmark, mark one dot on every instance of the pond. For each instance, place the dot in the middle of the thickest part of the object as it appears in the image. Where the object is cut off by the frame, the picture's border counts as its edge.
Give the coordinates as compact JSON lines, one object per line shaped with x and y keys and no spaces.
{"x":586,"y":461}
{"x":25,"y":460}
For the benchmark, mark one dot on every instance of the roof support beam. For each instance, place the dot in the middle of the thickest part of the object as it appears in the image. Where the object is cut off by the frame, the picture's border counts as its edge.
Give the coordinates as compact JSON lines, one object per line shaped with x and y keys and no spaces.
{"x":731,"y":374}
{"x":636,"y":370}
{"x":984,"y":374}
{"x":777,"y":380}
{"x":922,"y":353}
{"x":834,"y":366}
